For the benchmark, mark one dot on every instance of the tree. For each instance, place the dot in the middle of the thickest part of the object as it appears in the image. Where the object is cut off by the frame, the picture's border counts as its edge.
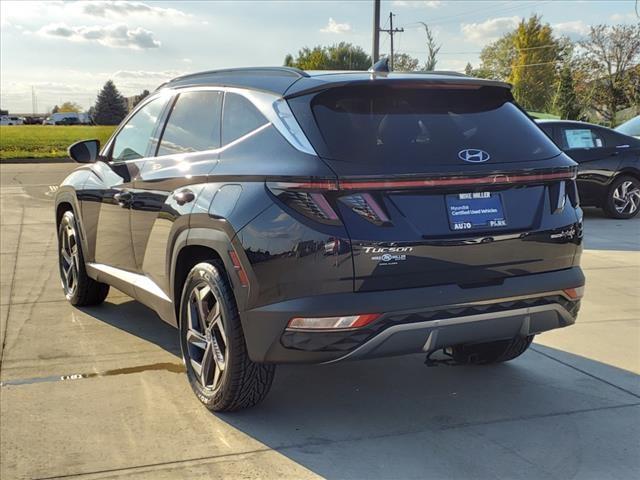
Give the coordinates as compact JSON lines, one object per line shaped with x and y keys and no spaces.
{"x":432,"y":49}
{"x":69,"y":107}
{"x":609,"y":63}
{"x":566,"y":102}
{"x":139,"y":98}
{"x":55,"y":109}
{"x":341,"y":56}
{"x":535,"y":62}
{"x":497,"y":57}
{"x":403,"y":62}
{"x":468,"y":69}
{"x":111,"y":107}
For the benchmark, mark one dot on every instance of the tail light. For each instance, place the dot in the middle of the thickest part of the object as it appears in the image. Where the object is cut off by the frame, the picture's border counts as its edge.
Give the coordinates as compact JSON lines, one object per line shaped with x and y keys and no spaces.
{"x":366,"y":206}
{"x":332,"y":323}
{"x":302,"y":198}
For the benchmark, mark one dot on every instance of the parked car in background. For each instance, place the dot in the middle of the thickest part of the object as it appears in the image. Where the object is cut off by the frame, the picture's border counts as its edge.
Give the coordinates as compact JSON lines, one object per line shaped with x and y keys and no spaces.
{"x":280,"y":216}
{"x":67,"y":118}
{"x":11,"y":120}
{"x":630,"y":127}
{"x":609,"y":164}
{"x":33,"y":120}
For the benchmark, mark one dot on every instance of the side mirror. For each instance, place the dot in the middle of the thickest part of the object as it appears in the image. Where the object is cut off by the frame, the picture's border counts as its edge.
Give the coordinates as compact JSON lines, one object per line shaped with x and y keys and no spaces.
{"x":85,"y":151}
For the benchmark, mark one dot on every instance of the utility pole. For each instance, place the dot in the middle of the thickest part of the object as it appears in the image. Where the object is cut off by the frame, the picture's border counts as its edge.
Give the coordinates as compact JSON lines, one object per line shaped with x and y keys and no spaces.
{"x":375,"y":54}
{"x":391,"y":31}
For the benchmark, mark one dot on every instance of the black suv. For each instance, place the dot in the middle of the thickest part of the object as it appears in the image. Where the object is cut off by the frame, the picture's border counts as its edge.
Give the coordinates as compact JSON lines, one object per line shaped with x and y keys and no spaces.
{"x":275,"y":215}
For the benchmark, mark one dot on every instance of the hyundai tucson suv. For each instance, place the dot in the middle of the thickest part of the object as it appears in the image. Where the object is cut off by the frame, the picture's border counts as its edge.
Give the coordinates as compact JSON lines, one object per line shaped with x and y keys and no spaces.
{"x":608,"y":165}
{"x":280,"y":216}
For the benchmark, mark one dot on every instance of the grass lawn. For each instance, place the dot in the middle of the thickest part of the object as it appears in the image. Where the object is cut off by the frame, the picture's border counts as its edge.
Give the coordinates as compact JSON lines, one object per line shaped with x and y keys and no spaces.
{"x":46,"y":141}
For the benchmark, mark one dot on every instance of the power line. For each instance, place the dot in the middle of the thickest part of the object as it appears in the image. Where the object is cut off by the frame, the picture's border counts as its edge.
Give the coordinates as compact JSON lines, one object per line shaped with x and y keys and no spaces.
{"x":456,"y":17}
{"x":470,"y":52}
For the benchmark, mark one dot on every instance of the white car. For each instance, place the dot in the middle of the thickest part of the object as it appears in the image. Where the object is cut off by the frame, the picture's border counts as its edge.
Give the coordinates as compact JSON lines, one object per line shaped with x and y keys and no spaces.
{"x":630,"y":127}
{"x":11,"y":120}
{"x":66,"y":118}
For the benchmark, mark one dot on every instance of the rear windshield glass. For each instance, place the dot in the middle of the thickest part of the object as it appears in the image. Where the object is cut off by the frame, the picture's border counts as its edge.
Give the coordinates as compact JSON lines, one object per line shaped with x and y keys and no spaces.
{"x":426,"y":125}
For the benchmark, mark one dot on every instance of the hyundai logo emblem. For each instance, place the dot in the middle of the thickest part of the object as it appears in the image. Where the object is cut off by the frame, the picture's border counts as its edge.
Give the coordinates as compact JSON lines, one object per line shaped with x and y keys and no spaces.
{"x":473,"y":155}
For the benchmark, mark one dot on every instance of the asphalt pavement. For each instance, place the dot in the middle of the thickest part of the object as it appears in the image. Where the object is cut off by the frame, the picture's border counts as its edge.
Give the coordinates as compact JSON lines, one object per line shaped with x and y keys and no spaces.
{"x":100,"y":392}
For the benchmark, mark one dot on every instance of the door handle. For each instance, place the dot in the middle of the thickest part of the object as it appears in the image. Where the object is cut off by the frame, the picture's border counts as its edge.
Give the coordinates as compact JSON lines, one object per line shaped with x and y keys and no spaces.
{"x":124,"y":198}
{"x":184,"y":196}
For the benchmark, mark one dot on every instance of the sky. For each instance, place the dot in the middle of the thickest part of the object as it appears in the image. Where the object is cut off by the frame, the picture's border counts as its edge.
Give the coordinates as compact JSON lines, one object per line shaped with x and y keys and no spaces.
{"x":66,"y":50}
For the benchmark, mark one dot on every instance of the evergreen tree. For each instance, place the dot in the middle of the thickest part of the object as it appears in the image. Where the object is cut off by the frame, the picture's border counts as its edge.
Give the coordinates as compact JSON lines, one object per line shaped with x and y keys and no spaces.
{"x":566,"y":102}
{"x":534,"y":65}
{"x":111,"y":107}
{"x":468,"y":69}
{"x":55,"y":109}
{"x":432,"y":49}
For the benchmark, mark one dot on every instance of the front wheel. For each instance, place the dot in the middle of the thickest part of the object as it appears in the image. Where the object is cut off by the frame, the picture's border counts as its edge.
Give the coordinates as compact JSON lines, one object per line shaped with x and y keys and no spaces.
{"x":623,"y":198}
{"x":490,"y":352}
{"x":214,"y":351}
{"x":79,"y":288}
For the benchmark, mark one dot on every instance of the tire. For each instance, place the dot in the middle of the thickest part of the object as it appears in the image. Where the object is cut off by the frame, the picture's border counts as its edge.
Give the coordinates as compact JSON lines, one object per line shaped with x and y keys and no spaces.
{"x":214,"y":351}
{"x":79,"y":289}
{"x":623,"y":198}
{"x":491,"y":352}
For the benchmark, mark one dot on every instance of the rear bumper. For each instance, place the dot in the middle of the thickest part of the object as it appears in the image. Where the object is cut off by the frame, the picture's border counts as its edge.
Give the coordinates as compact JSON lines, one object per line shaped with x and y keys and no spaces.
{"x":414,"y":320}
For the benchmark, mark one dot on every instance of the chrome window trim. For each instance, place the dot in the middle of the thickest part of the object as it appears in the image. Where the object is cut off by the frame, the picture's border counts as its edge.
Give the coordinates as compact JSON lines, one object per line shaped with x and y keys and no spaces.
{"x":273,"y":107}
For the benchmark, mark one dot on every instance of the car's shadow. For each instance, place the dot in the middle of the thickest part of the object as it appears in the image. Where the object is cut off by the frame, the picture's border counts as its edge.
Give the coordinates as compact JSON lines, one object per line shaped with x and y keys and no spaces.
{"x":136,"y":319}
{"x":397,"y":418}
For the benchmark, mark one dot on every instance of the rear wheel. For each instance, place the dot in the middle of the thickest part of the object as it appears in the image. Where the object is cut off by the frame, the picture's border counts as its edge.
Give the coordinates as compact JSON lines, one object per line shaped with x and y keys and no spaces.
{"x":490,"y":352}
{"x":623,"y":198}
{"x":214,"y":351}
{"x":79,"y":288}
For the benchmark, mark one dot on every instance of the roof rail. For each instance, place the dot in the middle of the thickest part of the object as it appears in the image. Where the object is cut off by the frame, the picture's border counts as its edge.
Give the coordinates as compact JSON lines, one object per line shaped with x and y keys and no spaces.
{"x":241,"y":71}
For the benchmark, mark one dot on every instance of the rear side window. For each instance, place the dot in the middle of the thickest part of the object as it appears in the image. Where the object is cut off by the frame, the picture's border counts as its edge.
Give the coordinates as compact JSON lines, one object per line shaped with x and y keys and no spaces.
{"x":194,"y":123}
{"x":426,"y":125}
{"x":581,"y":138}
{"x":239,"y":117}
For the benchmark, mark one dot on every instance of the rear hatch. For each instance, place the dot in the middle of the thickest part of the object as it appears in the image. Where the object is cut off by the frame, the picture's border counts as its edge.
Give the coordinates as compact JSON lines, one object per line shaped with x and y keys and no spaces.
{"x":442,"y":183}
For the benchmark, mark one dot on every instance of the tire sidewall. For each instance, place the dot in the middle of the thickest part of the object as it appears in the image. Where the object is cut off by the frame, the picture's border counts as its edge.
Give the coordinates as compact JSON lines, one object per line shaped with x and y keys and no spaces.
{"x":208,"y":273}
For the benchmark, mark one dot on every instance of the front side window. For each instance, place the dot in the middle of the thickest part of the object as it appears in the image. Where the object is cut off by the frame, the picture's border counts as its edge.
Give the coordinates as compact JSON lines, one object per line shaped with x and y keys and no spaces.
{"x":581,"y":138}
{"x":133,"y":139}
{"x":239,"y":117}
{"x":194,"y":123}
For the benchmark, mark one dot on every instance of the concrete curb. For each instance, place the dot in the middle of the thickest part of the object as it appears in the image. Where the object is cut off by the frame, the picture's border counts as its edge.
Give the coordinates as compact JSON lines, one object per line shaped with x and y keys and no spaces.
{"x":15,"y":161}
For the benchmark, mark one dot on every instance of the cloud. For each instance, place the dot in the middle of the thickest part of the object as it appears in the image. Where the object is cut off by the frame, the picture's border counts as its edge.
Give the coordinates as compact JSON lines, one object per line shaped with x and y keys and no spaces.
{"x":116,"y":35}
{"x":489,"y":30}
{"x":622,"y":17}
{"x":145,"y":74}
{"x":574,"y":29}
{"x":418,"y":3}
{"x":335,"y":27}
{"x":124,"y":8}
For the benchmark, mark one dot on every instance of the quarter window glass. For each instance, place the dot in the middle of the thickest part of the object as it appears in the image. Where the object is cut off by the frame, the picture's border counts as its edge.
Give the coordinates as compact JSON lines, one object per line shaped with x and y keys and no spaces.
{"x":132,"y":141}
{"x":582,"y":138}
{"x":240,"y":117}
{"x":194,"y":124}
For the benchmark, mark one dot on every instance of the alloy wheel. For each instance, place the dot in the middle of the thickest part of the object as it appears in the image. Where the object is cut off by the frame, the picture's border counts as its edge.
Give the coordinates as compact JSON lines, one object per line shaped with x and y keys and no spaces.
{"x":206,"y":336}
{"x":626,"y":198}
{"x":69,"y":259}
